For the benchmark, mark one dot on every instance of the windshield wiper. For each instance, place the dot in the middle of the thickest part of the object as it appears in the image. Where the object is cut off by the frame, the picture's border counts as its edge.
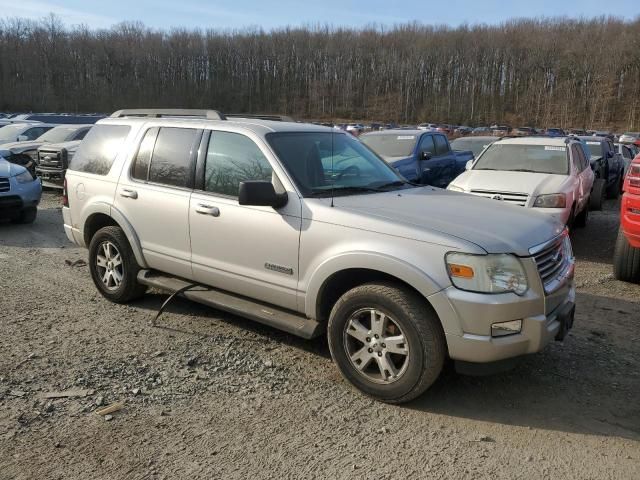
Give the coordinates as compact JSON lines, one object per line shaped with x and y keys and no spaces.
{"x":341,"y":190}
{"x":485,"y":168}
{"x":396,"y":183}
{"x":523,"y":170}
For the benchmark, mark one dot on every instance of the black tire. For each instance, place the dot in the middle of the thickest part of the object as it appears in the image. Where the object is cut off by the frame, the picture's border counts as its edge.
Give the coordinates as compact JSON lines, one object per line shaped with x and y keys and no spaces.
{"x":128,"y":288}
{"x":27,"y":215}
{"x":626,"y":260}
{"x":613,"y":191}
{"x":582,"y":218}
{"x":417,"y":322}
{"x":596,"y":199}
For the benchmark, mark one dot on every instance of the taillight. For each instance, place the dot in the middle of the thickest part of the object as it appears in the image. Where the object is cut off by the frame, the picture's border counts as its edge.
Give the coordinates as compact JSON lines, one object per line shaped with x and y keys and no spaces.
{"x":65,"y":198}
{"x":633,"y":175}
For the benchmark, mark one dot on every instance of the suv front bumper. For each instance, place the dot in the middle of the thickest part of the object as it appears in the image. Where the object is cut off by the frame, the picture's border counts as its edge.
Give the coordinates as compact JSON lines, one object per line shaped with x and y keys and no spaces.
{"x":467,"y":318}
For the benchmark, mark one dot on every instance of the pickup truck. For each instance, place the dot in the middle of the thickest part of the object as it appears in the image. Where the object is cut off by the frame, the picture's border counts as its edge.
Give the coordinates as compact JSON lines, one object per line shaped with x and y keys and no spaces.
{"x":53,"y":160}
{"x":606,"y":163}
{"x":422,"y":157}
{"x":626,"y":258}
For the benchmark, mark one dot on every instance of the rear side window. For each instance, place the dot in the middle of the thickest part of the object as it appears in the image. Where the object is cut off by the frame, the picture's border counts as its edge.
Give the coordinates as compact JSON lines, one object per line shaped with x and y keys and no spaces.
{"x":99,"y":148}
{"x":426,"y":144}
{"x":441,"y":145}
{"x":233,"y":158}
{"x":140,"y":170}
{"x":171,"y":162}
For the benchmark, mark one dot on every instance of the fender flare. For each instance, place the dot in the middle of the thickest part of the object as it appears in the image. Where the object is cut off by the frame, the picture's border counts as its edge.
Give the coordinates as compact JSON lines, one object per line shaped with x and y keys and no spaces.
{"x":387,"y":264}
{"x":117,"y":216}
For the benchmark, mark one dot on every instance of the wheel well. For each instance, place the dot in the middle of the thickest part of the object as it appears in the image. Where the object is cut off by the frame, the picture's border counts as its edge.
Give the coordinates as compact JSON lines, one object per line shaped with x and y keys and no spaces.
{"x":94,"y":223}
{"x":341,"y":282}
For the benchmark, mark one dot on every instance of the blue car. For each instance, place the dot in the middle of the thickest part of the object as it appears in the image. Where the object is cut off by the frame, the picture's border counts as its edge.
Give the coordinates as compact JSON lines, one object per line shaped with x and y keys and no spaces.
{"x":20,"y":192}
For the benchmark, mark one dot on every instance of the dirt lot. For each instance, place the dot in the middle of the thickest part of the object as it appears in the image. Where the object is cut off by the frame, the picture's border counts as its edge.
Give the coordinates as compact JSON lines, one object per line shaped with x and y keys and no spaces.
{"x":210,"y":395}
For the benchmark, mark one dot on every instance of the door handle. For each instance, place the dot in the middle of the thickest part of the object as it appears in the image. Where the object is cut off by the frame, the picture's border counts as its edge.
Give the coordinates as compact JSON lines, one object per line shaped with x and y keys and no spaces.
{"x":208,"y":210}
{"x":127,"y":193}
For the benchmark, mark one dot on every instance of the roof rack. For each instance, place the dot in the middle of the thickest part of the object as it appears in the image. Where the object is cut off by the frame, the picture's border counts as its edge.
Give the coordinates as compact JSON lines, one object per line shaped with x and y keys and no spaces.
{"x":275,"y":118}
{"x":168,"y":112}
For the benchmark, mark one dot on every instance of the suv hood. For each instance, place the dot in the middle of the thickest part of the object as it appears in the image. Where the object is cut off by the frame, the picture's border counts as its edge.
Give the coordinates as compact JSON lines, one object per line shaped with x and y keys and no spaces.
{"x":438,"y":216}
{"x":513,"y":182}
{"x":19,"y":147}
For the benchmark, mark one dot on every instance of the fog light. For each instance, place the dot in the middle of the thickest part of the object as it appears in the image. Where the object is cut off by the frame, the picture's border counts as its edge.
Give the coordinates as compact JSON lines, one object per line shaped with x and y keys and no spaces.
{"x":506,"y":328}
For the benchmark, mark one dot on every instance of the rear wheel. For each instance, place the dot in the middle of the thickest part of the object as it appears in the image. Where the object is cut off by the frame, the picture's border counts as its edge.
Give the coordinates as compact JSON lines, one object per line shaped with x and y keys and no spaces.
{"x":613,"y":191}
{"x":626,"y":260}
{"x":596,"y":199}
{"x":386,"y":341}
{"x":113,"y":266}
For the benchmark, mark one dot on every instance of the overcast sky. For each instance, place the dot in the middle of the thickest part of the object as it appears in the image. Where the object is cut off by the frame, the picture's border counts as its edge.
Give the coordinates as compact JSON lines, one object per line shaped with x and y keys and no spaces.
{"x":273,"y":14}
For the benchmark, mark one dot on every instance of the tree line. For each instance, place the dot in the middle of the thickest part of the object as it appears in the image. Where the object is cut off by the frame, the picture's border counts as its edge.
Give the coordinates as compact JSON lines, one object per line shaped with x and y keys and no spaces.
{"x":538,"y":72}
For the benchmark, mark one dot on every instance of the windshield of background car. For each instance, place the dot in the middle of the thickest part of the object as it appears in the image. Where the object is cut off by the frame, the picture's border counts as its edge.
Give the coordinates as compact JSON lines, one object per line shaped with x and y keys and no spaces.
{"x":56,"y":135}
{"x":524,"y":158}
{"x":474,"y":144}
{"x":322,"y":162}
{"x":391,"y":145}
{"x":9,"y":133}
{"x":595,"y":148}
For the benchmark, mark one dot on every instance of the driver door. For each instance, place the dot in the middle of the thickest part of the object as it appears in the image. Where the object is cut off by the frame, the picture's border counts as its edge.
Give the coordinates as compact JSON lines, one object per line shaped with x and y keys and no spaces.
{"x":248,"y":250}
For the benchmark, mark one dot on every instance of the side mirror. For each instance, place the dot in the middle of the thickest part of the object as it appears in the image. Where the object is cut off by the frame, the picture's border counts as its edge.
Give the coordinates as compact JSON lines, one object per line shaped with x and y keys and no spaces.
{"x":468,"y":165}
{"x":261,"y":194}
{"x":425,"y":155}
{"x":22,"y":138}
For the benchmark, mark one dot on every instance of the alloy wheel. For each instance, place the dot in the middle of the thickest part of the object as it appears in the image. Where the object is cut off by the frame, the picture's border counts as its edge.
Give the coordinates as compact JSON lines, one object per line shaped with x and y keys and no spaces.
{"x":109,"y":265}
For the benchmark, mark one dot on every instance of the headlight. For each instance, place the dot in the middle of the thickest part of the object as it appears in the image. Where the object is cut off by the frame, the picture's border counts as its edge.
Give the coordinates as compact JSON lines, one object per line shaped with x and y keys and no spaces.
{"x":554,"y":200}
{"x":453,"y":188}
{"x":24,"y":177}
{"x":494,"y":273}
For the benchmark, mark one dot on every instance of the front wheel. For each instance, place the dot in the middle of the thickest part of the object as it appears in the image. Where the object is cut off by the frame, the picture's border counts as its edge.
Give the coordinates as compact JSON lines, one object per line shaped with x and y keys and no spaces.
{"x":596,"y":199}
{"x":582,"y":218}
{"x":387,"y":341}
{"x":113,"y":266}
{"x":626,"y":260}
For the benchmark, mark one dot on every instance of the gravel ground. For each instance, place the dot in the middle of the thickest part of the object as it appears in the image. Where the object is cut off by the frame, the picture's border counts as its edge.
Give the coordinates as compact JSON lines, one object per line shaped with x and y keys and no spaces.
{"x":209,"y":395}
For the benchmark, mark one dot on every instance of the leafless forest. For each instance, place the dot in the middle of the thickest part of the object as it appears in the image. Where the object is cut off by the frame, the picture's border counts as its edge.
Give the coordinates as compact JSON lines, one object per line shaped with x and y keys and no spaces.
{"x":541,"y":72}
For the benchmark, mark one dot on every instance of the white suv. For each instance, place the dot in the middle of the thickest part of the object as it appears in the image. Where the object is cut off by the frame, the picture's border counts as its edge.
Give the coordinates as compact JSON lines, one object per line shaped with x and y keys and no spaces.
{"x":549,"y":175}
{"x":303,"y":228}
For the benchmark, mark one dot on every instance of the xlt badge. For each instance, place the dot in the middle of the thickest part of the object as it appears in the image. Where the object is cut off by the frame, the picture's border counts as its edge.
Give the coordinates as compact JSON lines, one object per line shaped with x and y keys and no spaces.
{"x":278,"y":268}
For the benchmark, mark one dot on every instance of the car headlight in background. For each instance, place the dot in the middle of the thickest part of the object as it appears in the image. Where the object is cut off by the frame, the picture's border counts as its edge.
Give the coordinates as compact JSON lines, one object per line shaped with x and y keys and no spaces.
{"x":554,"y":200}
{"x":493,"y":273}
{"x":24,"y":177}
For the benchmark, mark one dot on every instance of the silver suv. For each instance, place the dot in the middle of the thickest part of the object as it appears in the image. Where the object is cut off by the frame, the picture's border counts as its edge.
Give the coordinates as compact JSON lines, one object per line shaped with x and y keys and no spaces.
{"x":303,"y":228}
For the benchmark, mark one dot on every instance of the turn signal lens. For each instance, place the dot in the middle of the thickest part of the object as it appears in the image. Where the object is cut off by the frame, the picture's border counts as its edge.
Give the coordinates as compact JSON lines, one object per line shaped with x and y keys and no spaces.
{"x":461,"y":271}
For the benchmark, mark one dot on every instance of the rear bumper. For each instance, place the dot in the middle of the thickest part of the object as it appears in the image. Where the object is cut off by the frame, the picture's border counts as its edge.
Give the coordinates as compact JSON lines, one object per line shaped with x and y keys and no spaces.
{"x":629,"y":220}
{"x":72,"y":234}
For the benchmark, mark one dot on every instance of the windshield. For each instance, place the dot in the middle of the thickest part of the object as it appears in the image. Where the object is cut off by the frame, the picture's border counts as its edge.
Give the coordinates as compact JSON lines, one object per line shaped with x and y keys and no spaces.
{"x":57,"y":135}
{"x":391,"y":145}
{"x":595,"y":148}
{"x":476,"y":145}
{"x":524,"y":158}
{"x":10,"y":133}
{"x":322,"y":163}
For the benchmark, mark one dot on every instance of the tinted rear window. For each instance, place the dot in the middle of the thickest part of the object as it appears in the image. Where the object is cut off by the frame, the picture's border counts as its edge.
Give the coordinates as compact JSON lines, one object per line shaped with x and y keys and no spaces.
{"x":391,"y":145}
{"x":171,"y":160}
{"x":99,"y":148}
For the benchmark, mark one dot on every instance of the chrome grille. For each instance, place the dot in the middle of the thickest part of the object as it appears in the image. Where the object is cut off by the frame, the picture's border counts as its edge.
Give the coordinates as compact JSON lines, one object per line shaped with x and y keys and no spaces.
{"x":508,"y":197}
{"x":552,"y":262}
{"x":5,"y":186}
{"x":49,"y":158}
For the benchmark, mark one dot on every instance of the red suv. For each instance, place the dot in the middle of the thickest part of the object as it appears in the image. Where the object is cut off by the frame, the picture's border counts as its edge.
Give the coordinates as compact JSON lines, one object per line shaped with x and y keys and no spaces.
{"x":626,"y":260}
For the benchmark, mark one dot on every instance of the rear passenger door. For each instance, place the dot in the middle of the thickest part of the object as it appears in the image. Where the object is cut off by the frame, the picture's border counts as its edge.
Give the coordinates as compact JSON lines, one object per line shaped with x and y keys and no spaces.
{"x":249,"y":250}
{"x":441,"y":168}
{"x":154,"y":196}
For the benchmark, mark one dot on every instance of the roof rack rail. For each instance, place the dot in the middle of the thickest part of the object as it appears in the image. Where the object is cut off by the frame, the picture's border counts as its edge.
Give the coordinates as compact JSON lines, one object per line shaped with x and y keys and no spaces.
{"x":275,"y":118}
{"x":168,"y":112}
